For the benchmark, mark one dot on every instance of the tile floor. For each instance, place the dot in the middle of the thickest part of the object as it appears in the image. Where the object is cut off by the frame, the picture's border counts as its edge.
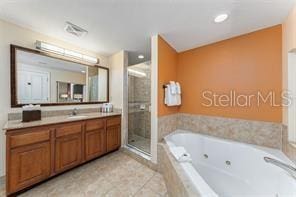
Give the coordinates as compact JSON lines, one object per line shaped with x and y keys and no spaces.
{"x":115,"y":175}
{"x":140,"y":142}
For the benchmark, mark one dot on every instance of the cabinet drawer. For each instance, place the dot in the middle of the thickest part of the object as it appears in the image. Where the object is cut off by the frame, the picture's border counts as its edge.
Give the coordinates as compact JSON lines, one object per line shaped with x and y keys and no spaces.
{"x":95,"y":124}
{"x":29,"y":138}
{"x":69,"y":129}
{"x":113,"y":121}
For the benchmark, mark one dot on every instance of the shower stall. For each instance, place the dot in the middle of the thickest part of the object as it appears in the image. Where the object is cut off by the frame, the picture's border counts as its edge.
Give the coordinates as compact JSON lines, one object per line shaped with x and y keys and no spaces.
{"x":139,"y":100}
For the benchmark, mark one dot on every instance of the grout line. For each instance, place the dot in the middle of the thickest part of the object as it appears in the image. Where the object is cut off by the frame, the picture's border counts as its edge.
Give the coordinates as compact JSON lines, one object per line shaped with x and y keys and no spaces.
{"x":154,"y":173}
{"x":115,"y":186}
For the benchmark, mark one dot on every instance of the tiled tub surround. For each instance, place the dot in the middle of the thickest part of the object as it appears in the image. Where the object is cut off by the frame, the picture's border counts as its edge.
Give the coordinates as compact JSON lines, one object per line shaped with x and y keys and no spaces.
{"x":253,"y":132}
{"x":213,"y":177}
{"x":167,"y":125}
{"x":177,"y":183}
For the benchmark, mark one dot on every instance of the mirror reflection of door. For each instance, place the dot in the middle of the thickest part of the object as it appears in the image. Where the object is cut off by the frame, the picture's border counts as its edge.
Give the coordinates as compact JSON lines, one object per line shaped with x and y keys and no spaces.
{"x":103,"y":84}
{"x":93,"y":91}
{"x":33,"y":86}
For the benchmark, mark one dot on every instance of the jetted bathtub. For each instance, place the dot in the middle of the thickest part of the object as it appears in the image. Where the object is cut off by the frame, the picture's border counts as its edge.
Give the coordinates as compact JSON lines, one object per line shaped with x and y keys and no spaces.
{"x":230,"y":169}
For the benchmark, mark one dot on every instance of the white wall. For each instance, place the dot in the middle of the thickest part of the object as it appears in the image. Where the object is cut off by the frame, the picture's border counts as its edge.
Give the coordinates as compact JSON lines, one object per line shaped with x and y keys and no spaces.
{"x":116,"y":64}
{"x":118,"y":89}
{"x":154,"y":97}
{"x":12,"y":34}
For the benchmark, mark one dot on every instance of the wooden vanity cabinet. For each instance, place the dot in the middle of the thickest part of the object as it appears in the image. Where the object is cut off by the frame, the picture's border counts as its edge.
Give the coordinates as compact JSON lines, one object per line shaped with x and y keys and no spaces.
{"x":68,"y":146}
{"x":37,"y":153}
{"x":28,"y":158}
{"x":113,"y":133}
{"x":95,"y":139}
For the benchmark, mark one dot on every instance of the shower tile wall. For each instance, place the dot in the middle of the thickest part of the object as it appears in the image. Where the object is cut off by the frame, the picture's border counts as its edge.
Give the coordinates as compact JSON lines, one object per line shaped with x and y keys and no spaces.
{"x":139,"y":103}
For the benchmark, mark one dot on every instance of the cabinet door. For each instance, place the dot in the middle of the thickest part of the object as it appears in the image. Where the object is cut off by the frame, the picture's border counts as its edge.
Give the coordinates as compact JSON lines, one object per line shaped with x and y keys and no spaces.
{"x":95,"y":143}
{"x":67,"y":152}
{"x":28,"y":165}
{"x":113,"y":137}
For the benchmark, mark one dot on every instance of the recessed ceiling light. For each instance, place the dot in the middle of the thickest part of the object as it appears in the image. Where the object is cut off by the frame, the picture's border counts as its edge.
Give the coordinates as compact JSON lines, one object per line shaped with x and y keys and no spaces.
{"x":141,"y":56}
{"x":221,"y":18}
{"x":83,"y":71}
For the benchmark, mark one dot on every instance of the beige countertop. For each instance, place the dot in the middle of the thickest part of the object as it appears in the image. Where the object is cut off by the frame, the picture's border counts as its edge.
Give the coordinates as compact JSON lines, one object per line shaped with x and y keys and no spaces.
{"x":18,"y":124}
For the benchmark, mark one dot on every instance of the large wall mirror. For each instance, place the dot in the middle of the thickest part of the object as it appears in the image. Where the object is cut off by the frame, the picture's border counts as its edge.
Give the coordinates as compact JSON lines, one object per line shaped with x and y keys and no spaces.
{"x":42,"y":78}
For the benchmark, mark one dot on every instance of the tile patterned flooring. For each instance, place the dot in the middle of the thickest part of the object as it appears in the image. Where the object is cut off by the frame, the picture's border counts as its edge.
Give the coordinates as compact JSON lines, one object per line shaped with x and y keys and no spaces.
{"x":115,"y":175}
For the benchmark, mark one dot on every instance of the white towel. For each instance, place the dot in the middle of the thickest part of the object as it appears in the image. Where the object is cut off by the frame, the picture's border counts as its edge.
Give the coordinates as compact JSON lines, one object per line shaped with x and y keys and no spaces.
{"x":172,"y":94}
{"x":178,"y":102}
{"x":178,"y":93}
{"x":178,"y":88}
{"x":180,"y":154}
{"x":173,"y":87}
{"x":170,"y":99}
{"x":166,"y":95}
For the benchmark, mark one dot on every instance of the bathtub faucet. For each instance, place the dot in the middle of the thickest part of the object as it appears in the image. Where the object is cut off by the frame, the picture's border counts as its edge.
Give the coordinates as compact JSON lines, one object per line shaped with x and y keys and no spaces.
{"x":290,"y":169}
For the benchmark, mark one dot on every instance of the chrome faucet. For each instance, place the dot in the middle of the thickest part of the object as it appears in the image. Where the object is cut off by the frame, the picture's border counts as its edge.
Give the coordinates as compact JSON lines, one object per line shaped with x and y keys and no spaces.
{"x":74,"y":112}
{"x":288,"y":168}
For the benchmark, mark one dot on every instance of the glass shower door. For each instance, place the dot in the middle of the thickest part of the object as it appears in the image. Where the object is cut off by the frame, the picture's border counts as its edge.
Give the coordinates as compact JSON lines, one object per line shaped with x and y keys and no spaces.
{"x":139,"y":96}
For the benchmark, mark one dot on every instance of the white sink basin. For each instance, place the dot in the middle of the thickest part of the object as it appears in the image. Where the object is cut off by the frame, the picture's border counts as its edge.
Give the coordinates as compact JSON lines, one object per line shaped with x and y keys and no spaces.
{"x":77,"y":117}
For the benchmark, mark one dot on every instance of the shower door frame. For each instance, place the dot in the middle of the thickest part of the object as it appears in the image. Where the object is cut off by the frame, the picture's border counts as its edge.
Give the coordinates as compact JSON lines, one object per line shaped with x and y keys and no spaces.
{"x":127,"y":121}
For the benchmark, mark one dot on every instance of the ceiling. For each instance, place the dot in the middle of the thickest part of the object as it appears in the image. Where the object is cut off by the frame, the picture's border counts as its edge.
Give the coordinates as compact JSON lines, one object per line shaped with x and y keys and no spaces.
{"x":114,"y":25}
{"x":48,"y":62}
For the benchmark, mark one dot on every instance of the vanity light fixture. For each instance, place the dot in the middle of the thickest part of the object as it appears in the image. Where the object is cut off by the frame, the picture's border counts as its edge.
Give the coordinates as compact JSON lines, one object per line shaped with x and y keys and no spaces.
{"x":73,"y":54}
{"x":141,"y":56}
{"x":221,"y":18}
{"x":43,"y":46}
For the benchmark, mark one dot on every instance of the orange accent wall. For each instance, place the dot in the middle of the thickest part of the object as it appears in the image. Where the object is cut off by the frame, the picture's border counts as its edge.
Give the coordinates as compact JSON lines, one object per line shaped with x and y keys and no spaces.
{"x":167,"y":71}
{"x":246,"y":64}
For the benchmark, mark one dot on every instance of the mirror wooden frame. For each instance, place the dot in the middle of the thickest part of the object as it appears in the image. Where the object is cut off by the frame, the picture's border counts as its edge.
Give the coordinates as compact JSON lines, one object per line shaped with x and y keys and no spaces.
{"x":13,"y":77}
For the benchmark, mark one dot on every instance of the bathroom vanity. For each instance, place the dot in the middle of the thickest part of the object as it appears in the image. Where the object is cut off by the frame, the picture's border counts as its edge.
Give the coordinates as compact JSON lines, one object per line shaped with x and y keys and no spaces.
{"x":39,"y":150}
